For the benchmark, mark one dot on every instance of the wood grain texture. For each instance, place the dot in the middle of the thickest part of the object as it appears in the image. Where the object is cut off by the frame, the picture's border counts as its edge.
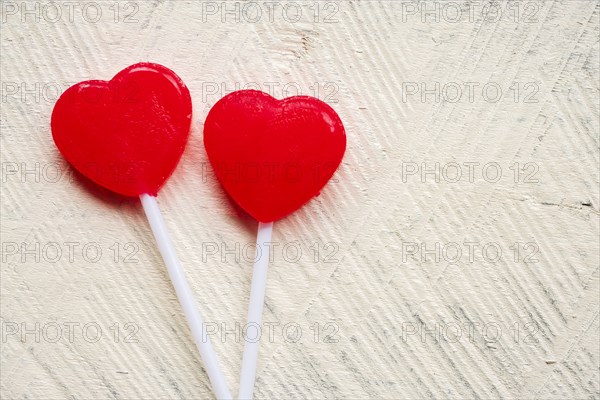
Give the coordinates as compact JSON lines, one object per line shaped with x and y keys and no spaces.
{"x":386,"y":308}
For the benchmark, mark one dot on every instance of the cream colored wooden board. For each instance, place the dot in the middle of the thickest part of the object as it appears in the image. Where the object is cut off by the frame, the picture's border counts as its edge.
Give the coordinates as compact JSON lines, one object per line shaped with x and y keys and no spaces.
{"x":426,"y":283}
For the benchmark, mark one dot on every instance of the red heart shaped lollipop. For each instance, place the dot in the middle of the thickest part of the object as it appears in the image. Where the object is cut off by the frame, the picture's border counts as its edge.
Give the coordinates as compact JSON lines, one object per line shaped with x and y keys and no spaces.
{"x":270,"y":155}
{"x":126,"y":134}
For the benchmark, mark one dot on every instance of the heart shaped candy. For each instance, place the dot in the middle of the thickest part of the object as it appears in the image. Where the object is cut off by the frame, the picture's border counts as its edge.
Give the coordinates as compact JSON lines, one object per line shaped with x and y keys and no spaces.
{"x":270,"y":155}
{"x":126,"y":134}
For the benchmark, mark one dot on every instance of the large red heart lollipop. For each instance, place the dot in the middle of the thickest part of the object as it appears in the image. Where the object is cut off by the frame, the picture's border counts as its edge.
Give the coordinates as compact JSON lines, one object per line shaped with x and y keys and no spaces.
{"x":270,"y":155}
{"x":126,"y":134}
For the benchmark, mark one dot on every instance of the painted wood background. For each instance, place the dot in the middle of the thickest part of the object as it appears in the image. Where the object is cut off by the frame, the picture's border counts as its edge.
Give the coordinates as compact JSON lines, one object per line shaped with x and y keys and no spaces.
{"x":455,"y":255}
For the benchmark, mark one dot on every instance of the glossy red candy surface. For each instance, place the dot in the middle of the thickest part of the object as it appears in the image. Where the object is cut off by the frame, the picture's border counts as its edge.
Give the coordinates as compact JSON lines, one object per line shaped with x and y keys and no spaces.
{"x":270,"y":155}
{"x":126,"y":134}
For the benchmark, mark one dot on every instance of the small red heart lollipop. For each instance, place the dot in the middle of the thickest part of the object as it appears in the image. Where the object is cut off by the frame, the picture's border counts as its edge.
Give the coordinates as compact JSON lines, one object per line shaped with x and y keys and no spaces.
{"x":270,"y":155}
{"x":126,"y":134}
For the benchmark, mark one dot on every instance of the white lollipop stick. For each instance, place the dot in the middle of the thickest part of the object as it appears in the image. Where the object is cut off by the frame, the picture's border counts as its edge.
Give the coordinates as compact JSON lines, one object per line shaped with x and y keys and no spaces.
{"x":185,"y":296}
{"x":255,"y":309}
